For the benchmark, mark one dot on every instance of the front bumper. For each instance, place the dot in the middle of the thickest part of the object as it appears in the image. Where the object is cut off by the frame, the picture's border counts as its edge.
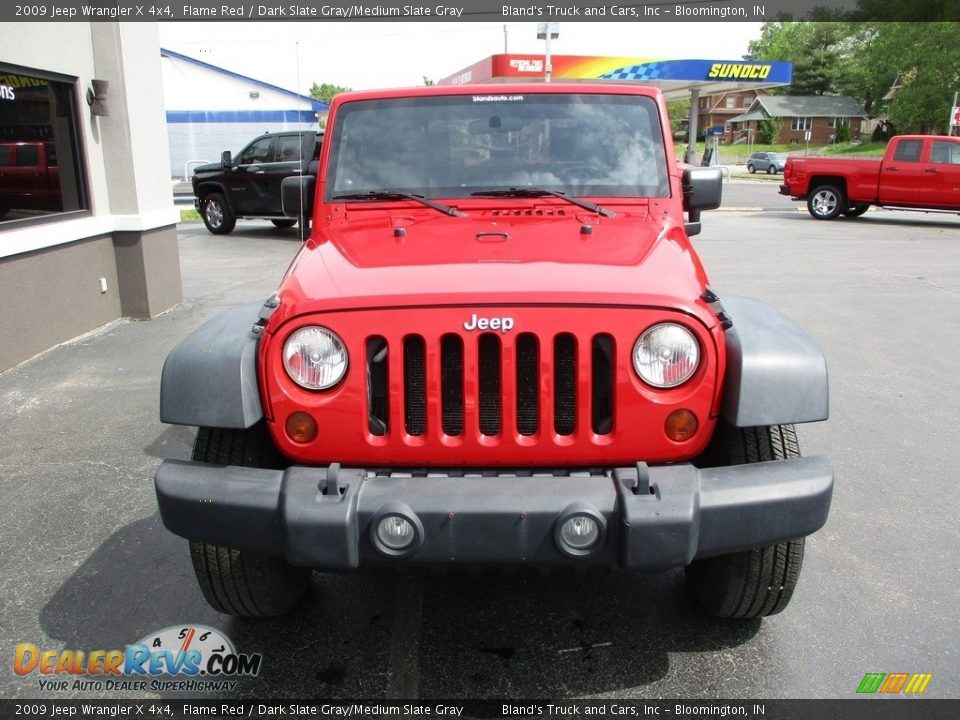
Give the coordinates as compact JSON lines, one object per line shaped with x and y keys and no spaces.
{"x":655,"y":517}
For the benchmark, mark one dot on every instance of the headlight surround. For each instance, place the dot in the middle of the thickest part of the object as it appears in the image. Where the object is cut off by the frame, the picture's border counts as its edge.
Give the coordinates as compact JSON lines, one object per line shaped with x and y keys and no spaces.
{"x":666,"y":355}
{"x":315,"y":358}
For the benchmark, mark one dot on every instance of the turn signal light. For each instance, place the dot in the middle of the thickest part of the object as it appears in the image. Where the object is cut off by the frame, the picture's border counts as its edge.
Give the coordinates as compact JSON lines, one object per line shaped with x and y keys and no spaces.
{"x":301,"y":427}
{"x":680,"y":425}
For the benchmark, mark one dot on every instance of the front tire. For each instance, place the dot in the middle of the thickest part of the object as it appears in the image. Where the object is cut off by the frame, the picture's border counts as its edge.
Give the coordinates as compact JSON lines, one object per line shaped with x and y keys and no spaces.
{"x":760,"y":581}
{"x":217,"y":215}
{"x":237,"y":582}
{"x":825,"y":202}
{"x":771,"y":170}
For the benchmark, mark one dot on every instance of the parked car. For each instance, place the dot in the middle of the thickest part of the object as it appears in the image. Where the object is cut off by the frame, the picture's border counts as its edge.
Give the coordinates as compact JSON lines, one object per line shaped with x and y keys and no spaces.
{"x":511,"y":359}
{"x":918,"y":172}
{"x":248,"y":186}
{"x":768,"y":162}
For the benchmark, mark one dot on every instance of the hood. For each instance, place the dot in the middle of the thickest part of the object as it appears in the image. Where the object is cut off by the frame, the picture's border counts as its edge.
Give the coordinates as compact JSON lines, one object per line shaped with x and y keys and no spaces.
{"x":542,"y":254}
{"x":213,"y":167}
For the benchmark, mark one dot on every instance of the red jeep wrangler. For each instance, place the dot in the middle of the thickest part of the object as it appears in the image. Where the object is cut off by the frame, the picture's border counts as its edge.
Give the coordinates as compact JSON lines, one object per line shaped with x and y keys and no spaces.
{"x":498,"y":348}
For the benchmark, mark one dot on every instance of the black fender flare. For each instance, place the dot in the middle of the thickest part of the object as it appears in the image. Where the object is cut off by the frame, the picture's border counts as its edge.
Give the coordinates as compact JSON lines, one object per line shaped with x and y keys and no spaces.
{"x":210,"y":378}
{"x":776,"y":373}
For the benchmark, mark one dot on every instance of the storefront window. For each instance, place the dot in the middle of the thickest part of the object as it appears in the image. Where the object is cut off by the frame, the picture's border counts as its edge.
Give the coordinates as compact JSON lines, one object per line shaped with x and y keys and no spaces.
{"x":40,"y":161}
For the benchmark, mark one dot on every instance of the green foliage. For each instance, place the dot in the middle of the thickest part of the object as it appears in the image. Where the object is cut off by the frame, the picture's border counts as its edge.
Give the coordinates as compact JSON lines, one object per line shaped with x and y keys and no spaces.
{"x":428,"y":82}
{"x":325,"y":92}
{"x":864,"y":59}
{"x":678,"y":111}
{"x":769,"y":130}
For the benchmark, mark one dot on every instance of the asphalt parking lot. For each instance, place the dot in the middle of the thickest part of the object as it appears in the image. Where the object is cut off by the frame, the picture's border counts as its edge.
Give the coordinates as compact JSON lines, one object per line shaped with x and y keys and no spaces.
{"x":87,"y":564}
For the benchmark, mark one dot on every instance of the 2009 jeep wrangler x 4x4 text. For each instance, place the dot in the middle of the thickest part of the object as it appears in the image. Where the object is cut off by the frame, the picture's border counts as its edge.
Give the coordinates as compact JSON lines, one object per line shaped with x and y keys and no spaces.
{"x":497,"y":348}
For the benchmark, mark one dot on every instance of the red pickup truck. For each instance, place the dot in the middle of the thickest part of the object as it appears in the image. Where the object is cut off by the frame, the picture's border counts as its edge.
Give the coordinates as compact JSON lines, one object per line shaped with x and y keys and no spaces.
{"x":29,"y":177}
{"x":918,"y":172}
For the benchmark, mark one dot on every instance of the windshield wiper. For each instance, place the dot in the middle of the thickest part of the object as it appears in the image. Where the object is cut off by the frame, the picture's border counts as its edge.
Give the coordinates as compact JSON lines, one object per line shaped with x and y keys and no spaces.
{"x":532,"y":192}
{"x":400,"y":195}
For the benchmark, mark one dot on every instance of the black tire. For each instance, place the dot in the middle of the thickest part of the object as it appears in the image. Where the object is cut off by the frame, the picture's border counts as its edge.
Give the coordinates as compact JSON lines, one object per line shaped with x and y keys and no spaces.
{"x":284,"y":224}
{"x":757,"y":582}
{"x":233,"y":581}
{"x":751,"y":169}
{"x":825,"y":202}
{"x":856,"y":210}
{"x":217,"y":215}
{"x":771,"y":170}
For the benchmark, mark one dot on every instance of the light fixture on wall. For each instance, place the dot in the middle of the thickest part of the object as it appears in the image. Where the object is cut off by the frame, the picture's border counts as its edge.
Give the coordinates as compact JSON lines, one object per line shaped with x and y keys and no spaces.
{"x":97,"y":97}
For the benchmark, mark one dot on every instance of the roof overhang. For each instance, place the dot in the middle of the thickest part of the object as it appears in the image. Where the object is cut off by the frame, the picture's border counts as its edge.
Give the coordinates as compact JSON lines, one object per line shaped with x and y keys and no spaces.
{"x":675,"y":78}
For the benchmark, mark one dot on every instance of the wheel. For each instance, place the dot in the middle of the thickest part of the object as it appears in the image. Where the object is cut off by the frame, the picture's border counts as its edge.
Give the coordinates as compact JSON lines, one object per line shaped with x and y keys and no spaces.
{"x":757,"y":582}
{"x":283,"y":224}
{"x":825,"y":202}
{"x":751,"y":169}
{"x":856,"y":210}
{"x":233,"y":581}
{"x":217,"y":215}
{"x":771,"y":170}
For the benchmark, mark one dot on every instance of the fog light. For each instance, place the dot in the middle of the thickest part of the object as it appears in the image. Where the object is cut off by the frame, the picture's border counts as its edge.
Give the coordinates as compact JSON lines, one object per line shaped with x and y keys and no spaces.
{"x":396,"y":533}
{"x":680,"y":425}
{"x":579,"y":533}
{"x":580,"y":530}
{"x":301,"y":427}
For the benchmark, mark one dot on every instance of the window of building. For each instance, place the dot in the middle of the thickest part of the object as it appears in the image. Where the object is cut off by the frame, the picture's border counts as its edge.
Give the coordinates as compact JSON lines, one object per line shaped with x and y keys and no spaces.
{"x":41,"y":164}
{"x":836,"y":122}
{"x":731,"y":101}
{"x":801,"y":123}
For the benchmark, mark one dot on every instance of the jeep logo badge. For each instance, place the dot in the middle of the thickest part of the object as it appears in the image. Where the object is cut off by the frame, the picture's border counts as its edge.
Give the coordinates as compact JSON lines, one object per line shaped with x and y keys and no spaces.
{"x":503,"y":324}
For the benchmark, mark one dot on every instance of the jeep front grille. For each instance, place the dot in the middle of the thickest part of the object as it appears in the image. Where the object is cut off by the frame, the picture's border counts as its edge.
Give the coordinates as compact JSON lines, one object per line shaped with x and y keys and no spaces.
{"x":499,"y":384}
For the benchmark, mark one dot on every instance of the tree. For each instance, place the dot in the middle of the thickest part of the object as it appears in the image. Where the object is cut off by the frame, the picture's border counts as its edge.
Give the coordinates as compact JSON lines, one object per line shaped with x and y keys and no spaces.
{"x":678,"y":111}
{"x":325,"y":92}
{"x":428,"y":81}
{"x":769,"y":130}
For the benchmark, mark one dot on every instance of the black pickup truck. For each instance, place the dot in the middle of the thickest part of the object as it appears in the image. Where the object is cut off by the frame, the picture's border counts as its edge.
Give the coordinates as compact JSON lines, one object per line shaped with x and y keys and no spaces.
{"x":248,"y":186}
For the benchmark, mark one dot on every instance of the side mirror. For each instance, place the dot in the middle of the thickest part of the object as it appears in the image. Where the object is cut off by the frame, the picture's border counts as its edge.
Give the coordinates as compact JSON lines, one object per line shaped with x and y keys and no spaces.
{"x":296,"y":196}
{"x":226,"y":160}
{"x":702,"y":190}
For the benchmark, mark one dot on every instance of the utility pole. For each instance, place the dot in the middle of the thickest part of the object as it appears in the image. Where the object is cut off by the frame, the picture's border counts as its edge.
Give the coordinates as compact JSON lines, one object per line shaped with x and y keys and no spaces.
{"x":547,"y":31}
{"x":505,"y":51}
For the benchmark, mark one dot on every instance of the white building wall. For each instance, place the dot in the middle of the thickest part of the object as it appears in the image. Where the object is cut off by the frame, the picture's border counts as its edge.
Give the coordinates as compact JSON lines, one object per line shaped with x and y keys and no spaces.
{"x":209,"y":111}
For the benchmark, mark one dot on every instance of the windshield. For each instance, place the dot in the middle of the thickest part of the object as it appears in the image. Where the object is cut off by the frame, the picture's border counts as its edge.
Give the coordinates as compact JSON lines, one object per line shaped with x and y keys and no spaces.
{"x":452,"y":146}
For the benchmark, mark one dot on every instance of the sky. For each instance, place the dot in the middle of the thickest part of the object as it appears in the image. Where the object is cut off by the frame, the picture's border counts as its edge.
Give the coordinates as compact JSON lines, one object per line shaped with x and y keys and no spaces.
{"x":363,"y":56}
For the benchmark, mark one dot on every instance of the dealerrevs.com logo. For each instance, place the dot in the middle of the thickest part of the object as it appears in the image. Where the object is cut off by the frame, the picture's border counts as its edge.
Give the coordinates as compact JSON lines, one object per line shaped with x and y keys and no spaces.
{"x":187,"y":658}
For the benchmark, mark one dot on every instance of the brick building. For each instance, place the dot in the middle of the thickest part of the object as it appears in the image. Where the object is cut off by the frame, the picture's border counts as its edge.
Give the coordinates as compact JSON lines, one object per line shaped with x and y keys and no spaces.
{"x":820,"y":114}
{"x":719,"y":109}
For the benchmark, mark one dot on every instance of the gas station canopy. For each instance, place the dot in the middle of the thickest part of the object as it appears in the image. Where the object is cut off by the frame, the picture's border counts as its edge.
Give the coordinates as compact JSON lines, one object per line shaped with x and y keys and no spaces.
{"x":675,"y":78}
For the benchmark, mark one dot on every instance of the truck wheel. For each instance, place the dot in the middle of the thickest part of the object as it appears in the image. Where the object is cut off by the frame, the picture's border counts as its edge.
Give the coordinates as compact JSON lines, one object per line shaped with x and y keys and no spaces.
{"x":825,"y":202}
{"x":856,"y":210}
{"x":751,"y":169}
{"x":283,"y":224}
{"x":217,"y":215}
{"x":757,"y":582}
{"x":233,"y":581}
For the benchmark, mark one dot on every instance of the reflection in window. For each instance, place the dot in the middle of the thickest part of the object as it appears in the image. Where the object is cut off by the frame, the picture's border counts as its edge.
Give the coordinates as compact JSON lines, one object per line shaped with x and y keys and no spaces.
{"x":39,"y":152}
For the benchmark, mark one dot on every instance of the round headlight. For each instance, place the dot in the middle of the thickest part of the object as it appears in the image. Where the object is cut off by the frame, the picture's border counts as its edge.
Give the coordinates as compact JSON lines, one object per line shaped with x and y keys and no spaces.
{"x":315,"y":358}
{"x":666,"y":355}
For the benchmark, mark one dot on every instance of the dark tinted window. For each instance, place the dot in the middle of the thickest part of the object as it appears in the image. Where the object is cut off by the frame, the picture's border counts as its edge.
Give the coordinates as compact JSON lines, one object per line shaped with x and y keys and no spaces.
{"x":288,"y":148}
{"x":257,"y":152}
{"x":39,"y":110}
{"x":908,"y":150}
{"x":28,"y":155}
